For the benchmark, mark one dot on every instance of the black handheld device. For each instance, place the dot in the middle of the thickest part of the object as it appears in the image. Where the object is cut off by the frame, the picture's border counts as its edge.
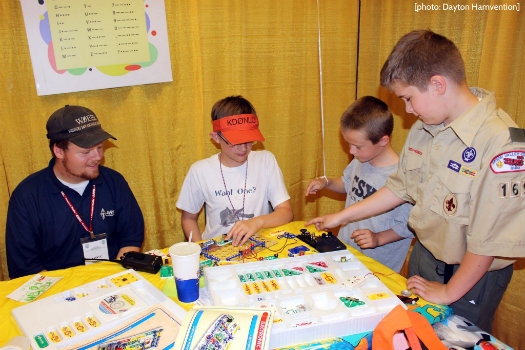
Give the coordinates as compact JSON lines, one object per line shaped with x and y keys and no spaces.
{"x":141,"y":262}
{"x":326,"y":242}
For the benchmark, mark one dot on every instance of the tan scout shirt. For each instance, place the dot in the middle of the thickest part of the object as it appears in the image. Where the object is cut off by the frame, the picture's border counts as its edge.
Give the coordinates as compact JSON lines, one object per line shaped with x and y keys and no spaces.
{"x":467,"y":183}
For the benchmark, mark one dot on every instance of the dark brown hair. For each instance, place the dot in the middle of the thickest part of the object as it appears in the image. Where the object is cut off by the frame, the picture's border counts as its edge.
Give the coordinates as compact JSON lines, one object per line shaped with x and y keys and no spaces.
{"x":418,"y":56}
{"x":231,"y":105}
{"x":60,"y":144}
{"x":371,"y":115}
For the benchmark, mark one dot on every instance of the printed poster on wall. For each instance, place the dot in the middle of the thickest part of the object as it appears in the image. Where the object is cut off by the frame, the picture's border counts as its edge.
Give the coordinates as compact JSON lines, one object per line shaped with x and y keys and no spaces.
{"x":96,"y":44}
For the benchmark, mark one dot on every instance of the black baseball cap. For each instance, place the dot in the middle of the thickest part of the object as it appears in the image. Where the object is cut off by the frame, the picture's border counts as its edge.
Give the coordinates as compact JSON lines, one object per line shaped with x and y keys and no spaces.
{"x":77,"y":124}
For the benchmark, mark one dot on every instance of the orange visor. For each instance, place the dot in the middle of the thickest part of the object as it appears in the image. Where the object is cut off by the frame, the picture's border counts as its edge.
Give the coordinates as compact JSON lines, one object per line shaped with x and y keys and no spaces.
{"x":238,"y":129}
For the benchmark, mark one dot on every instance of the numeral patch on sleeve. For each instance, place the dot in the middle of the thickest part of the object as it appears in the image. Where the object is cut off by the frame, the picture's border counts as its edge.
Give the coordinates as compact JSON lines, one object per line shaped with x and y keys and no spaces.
{"x":511,"y":189}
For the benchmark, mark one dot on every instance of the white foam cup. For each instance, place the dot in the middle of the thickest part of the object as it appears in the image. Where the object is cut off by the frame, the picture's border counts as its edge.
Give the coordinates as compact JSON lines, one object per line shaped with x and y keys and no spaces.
{"x":185,"y":260}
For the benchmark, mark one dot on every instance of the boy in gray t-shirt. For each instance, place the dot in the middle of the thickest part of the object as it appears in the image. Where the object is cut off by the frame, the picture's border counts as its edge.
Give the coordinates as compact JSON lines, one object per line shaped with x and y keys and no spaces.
{"x":367,"y":126}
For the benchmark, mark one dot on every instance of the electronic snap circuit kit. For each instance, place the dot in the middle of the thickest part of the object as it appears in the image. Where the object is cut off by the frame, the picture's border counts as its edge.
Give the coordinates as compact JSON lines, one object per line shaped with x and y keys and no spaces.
{"x":117,"y":312}
{"x":315,"y":296}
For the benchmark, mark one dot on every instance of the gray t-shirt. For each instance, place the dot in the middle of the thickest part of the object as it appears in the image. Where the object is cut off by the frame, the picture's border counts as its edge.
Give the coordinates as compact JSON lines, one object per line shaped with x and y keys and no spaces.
{"x":361,"y":180}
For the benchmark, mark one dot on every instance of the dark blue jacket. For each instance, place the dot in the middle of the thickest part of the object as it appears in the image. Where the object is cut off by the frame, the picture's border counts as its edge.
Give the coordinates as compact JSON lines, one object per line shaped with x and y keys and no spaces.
{"x":42,"y":232}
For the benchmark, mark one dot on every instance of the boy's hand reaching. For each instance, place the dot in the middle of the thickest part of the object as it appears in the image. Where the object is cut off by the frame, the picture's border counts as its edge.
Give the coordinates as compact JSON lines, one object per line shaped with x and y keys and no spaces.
{"x":325,"y":222}
{"x":316,"y":185}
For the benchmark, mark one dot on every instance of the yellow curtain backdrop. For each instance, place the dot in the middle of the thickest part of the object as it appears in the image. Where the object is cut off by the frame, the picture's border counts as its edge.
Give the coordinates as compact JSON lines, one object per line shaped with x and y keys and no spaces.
{"x":266,"y":51}
{"x":493,"y":46}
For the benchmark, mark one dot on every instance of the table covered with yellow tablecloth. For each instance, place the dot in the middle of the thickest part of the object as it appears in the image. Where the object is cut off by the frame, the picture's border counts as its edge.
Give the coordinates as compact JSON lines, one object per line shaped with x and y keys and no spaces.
{"x":80,"y":275}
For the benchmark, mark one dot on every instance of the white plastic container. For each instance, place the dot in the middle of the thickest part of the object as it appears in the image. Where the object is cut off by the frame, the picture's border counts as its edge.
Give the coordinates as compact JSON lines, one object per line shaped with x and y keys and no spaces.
{"x":119,"y":309}
{"x":315,"y":296}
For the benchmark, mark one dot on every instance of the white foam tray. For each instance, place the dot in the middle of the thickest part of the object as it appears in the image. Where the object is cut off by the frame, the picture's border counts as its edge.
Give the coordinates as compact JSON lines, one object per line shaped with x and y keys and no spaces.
{"x":37,"y":318}
{"x":306,"y":297}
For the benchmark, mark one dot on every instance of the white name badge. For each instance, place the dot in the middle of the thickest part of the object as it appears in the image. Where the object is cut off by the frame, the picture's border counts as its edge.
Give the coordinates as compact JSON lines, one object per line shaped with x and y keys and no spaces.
{"x":95,"y":248}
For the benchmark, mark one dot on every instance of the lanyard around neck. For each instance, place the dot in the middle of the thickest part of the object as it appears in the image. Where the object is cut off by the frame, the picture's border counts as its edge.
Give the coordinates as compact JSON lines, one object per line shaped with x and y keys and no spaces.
{"x":235,"y":213}
{"x":77,"y":215}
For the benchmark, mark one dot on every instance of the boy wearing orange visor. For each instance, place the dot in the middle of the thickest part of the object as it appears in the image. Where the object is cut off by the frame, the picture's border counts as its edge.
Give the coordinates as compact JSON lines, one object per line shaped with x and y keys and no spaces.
{"x":243,"y":190}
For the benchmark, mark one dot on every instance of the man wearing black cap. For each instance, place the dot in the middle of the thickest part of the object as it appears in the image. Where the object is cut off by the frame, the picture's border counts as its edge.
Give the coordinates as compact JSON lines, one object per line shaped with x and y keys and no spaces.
{"x":75,"y":209}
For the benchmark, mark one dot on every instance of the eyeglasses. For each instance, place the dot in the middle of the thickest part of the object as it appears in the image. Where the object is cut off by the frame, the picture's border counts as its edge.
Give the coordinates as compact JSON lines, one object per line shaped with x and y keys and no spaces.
{"x":247,"y":144}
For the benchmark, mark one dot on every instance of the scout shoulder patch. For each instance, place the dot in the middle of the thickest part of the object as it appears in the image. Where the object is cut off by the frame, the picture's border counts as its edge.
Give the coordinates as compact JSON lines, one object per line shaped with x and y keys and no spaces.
{"x":511,"y":161}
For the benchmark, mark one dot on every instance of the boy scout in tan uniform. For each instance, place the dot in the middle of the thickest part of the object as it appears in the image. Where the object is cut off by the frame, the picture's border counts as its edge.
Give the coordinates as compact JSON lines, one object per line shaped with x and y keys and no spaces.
{"x":463,"y":168}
